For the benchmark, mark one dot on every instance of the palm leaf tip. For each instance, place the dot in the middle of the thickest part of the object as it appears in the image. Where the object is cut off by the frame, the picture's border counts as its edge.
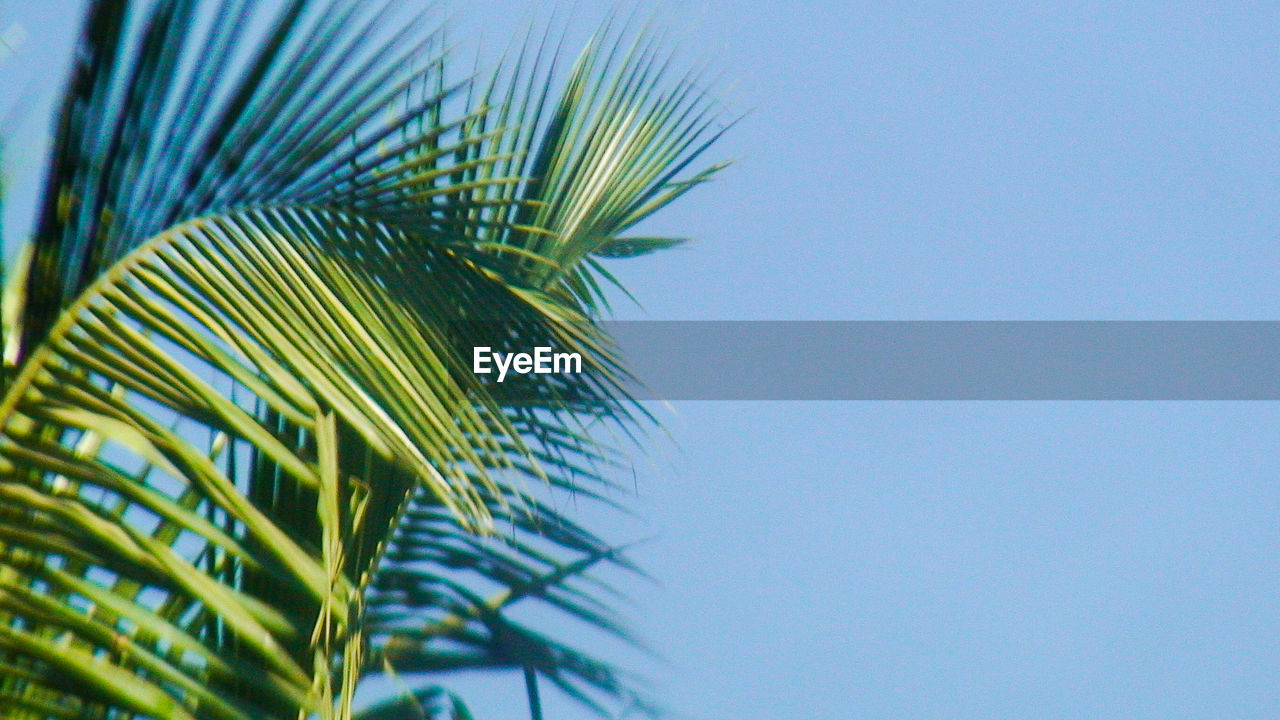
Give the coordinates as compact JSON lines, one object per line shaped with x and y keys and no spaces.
{"x":607,"y":153}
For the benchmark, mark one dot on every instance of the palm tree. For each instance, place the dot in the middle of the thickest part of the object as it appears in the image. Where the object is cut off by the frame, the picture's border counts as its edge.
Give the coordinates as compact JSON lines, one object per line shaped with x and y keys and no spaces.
{"x":244,"y":462}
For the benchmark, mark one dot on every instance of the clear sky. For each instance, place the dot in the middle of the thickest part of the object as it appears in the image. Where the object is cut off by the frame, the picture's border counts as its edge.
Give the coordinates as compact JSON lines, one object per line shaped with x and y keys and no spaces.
{"x":960,"y":560}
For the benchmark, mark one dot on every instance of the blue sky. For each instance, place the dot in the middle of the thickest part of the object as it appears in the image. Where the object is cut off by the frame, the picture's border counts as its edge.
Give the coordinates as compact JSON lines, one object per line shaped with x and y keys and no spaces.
{"x":958,"y":560}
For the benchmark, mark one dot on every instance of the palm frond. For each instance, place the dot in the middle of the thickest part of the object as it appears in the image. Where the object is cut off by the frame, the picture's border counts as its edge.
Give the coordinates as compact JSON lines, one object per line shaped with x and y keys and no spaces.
{"x":431,"y":703}
{"x":595,"y":161}
{"x":434,"y":608}
{"x":601,"y":157}
{"x":244,"y":460}
{"x":179,"y":108}
{"x":122,"y":430}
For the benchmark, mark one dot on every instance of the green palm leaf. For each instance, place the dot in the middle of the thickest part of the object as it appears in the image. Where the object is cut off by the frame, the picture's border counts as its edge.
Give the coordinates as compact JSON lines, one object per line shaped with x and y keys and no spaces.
{"x":131,"y":415}
{"x":244,"y":461}
{"x":176,"y":110}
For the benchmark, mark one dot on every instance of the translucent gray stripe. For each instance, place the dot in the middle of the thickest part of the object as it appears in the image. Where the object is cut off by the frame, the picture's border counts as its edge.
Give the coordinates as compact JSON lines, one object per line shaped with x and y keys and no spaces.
{"x":928,"y":360}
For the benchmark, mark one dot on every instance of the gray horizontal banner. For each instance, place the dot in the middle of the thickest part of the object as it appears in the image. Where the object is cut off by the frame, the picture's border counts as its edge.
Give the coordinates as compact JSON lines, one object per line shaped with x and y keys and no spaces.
{"x":941,"y":360}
